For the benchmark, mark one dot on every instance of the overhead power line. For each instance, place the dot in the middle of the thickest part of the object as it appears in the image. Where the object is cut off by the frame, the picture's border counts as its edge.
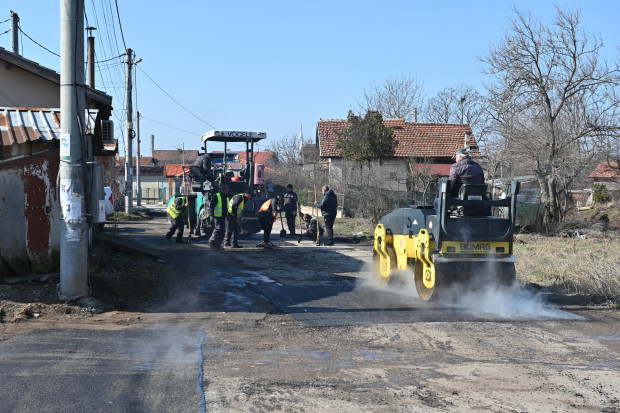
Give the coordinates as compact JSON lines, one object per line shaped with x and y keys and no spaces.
{"x":175,"y":101}
{"x":169,"y":126}
{"x":119,"y":24}
{"x":112,"y":58}
{"x":35,"y":42}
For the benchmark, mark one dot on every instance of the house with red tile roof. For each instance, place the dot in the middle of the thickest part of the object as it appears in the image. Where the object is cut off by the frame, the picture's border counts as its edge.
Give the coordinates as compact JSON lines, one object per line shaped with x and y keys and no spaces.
{"x":607,"y":173}
{"x":422,"y":148}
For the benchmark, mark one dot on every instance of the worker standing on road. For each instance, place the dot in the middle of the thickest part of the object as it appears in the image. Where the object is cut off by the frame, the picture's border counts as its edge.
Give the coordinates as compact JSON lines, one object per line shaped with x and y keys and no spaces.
{"x":289,"y":206}
{"x":329,"y":209}
{"x":217,"y":214}
{"x":267,"y":216}
{"x":177,"y":211}
{"x":311,"y":224}
{"x":233,"y":225}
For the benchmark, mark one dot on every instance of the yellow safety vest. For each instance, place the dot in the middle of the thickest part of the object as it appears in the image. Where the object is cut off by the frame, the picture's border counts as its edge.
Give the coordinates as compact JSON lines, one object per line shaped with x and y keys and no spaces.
{"x":239,"y":208}
{"x":174,"y":213}
{"x":217,"y":211}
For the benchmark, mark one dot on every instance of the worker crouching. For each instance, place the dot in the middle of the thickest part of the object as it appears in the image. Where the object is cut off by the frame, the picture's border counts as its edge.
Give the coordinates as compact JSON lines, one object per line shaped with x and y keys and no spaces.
{"x":177,"y":211}
{"x":267,"y":216}
{"x":233,"y":221}
{"x":311,"y":225}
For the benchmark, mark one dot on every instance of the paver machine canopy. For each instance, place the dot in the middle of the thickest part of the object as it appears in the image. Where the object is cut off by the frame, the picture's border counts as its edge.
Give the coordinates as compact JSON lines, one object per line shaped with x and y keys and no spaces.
{"x":228,"y":169}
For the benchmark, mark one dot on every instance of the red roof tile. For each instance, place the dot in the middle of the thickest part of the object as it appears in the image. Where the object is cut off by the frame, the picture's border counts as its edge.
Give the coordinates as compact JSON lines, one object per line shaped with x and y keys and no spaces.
{"x":439,"y":169}
{"x":262,"y":157}
{"x":427,"y":140}
{"x":606,"y":170}
{"x":175,"y":155}
{"x":172,"y":170}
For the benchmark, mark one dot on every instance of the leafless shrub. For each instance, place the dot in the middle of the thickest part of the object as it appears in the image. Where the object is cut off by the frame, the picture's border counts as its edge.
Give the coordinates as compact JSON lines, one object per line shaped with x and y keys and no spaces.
{"x":600,"y":280}
{"x":579,"y":266}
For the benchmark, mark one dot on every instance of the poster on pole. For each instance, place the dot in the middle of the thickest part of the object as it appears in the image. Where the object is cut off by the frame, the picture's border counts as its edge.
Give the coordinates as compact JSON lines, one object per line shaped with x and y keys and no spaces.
{"x":71,"y":208}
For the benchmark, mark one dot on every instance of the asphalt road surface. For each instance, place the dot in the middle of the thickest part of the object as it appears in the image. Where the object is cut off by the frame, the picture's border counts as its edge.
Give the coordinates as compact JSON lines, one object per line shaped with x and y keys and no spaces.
{"x":303,"y":328}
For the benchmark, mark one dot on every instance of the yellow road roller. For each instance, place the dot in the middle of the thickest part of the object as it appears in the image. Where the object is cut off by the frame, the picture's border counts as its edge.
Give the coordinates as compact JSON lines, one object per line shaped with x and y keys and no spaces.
{"x":468,"y":241}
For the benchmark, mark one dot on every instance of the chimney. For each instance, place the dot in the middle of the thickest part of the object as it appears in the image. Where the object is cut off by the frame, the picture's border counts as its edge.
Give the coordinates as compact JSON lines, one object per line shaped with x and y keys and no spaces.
{"x":15,"y":33}
{"x":91,"y":56}
{"x":152,"y":146}
{"x":467,"y":137}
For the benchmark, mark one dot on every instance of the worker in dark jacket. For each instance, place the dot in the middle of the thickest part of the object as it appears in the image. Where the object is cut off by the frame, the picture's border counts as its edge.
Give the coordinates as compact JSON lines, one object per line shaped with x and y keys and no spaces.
{"x":267,"y":216}
{"x":177,"y":213}
{"x":311,"y":225}
{"x":463,"y":171}
{"x":203,"y":161}
{"x":233,"y":221}
{"x":218,"y":210}
{"x":290,"y":206}
{"x":329,"y":209}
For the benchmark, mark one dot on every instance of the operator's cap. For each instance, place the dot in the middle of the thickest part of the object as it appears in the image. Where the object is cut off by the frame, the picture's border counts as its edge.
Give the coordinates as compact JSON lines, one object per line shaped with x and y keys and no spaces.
{"x":289,"y":186}
{"x":460,"y":151}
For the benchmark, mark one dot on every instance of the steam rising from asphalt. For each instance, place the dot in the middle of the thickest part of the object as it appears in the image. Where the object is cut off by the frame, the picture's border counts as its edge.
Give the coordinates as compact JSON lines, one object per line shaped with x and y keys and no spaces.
{"x":487,"y":301}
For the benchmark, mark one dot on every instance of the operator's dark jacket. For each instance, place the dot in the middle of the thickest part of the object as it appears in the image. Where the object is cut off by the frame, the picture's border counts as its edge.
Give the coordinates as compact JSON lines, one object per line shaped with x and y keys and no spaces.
{"x":464,"y":171}
{"x":203,"y":161}
{"x":289,"y":202}
{"x":329,"y":204}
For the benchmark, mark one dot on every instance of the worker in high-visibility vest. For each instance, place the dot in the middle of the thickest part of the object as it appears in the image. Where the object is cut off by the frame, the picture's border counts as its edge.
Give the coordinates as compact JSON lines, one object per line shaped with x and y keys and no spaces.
{"x":233,"y":221}
{"x":267,"y":216}
{"x":177,"y":211}
{"x":218,"y":210}
{"x":311,"y":227}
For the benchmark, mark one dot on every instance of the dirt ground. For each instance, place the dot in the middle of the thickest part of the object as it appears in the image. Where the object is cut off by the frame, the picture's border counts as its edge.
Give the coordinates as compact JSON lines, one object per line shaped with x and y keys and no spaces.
{"x":363,"y":354}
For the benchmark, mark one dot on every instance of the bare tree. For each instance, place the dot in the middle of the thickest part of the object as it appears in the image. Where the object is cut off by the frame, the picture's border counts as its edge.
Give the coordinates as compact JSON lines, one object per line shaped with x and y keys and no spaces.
{"x":288,"y":166}
{"x":554,"y":98}
{"x":288,"y":150}
{"x":462,"y":104}
{"x":396,"y":97}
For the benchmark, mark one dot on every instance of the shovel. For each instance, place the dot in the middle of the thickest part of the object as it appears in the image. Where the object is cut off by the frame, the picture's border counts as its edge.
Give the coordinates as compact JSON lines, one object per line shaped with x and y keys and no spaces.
{"x":189,"y":227}
{"x":301,"y":231}
{"x":282,"y":231}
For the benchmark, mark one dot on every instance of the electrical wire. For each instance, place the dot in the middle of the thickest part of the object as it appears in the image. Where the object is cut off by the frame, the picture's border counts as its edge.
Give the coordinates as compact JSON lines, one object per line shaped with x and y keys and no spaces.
{"x":175,"y":101}
{"x":169,"y":126}
{"x":119,"y":24}
{"x":35,"y":42}
{"x":5,"y":32}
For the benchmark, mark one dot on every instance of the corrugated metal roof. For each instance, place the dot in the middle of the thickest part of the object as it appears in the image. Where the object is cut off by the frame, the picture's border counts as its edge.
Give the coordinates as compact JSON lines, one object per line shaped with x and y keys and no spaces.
{"x":21,"y":125}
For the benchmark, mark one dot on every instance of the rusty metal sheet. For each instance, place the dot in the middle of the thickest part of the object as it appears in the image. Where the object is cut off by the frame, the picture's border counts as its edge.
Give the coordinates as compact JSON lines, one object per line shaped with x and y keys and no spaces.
{"x":21,"y":125}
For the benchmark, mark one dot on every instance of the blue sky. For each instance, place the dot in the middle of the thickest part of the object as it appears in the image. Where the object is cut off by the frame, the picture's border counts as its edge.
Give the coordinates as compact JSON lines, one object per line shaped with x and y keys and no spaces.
{"x":273,"y":66}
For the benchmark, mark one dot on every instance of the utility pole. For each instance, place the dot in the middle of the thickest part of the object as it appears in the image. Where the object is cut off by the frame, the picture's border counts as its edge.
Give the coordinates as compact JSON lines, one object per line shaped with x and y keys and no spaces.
{"x":73,"y":225}
{"x":130,"y":134}
{"x":14,"y":33}
{"x":138,"y":183}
